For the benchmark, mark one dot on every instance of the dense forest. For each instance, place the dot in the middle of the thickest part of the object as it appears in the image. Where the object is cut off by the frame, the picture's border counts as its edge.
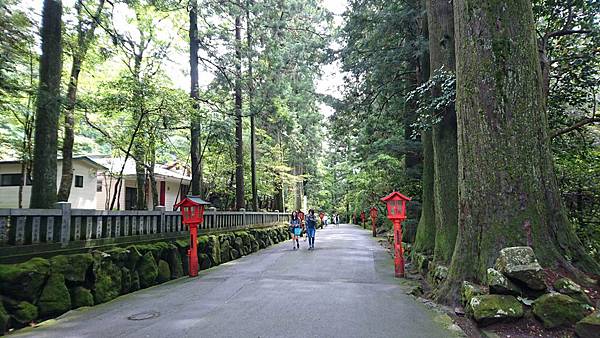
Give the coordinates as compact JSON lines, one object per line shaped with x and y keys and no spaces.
{"x":485,"y":112}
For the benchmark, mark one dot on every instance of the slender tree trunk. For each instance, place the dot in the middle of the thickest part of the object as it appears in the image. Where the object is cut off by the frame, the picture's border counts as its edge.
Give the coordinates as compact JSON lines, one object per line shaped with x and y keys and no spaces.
{"x":251,"y":108}
{"x":43,"y":191}
{"x":84,"y":38}
{"x":445,"y":156}
{"x":239,"y":145}
{"x":195,"y":125}
{"x":508,"y":192}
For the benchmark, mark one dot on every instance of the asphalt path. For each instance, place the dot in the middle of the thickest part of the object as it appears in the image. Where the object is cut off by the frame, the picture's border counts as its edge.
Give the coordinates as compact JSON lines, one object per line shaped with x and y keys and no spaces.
{"x":343,"y":288}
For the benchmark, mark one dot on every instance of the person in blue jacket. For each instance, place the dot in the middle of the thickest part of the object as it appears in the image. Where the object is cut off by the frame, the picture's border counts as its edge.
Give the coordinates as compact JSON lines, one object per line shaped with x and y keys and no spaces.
{"x":311,"y":228}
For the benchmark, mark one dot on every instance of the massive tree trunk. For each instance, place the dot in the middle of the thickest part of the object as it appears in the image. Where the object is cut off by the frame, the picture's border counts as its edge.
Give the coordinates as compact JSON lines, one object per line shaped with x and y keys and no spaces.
{"x":84,"y":38}
{"x":43,"y":191}
{"x":251,"y":108}
{"x":445,"y":156}
{"x":239,"y":145}
{"x":425,"y":236}
{"x":195,"y":124}
{"x":508,"y":192}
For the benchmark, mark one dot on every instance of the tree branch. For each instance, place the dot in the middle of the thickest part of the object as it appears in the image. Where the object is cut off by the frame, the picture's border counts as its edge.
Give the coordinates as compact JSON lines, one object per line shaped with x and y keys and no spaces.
{"x":584,"y":122}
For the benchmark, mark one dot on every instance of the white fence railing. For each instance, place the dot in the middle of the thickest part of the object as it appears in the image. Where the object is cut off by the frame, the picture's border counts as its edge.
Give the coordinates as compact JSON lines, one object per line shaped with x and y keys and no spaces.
{"x":22,"y":227}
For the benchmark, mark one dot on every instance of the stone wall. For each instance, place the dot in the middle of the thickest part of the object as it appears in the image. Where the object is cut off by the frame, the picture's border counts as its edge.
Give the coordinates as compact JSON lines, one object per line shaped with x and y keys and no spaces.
{"x":40,"y":288}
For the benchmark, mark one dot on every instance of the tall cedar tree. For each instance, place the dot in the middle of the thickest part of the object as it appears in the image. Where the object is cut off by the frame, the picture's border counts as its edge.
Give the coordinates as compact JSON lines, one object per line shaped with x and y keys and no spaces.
{"x":195,"y":125}
{"x":239,"y":145}
{"x":445,"y":157}
{"x":43,"y":191}
{"x":508,"y":192}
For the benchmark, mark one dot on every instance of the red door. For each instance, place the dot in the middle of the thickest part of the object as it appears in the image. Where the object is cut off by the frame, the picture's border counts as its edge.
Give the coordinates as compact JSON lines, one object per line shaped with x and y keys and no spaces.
{"x":162,"y":193}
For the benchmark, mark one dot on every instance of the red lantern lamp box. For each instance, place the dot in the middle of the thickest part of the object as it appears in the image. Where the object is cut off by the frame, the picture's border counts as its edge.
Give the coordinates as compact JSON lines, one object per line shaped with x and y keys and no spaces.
{"x":192,"y":209}
{"x":396,"y":205}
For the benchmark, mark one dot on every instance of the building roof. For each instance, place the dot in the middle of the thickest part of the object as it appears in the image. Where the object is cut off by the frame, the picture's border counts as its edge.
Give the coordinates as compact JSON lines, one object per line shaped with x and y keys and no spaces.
{"x":83,"y":158}
{"x":115,"y":164}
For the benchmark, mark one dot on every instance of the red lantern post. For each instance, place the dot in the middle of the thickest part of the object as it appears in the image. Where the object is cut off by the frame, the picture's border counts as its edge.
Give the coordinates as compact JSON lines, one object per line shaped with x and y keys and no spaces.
{"x":373,"y":214}
{"x":396,"y":212}
{"x":362,"y":218}
{"x":192,"y":214}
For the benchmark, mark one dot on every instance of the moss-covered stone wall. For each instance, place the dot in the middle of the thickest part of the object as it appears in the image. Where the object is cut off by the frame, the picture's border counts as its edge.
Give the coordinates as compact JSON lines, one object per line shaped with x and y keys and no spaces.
{"x":40,"y":289}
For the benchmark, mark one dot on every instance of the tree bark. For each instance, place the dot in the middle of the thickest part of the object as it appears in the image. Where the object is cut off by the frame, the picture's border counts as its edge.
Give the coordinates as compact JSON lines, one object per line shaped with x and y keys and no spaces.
{"x":43,"y":191}
{"x":508,"y":192}
{"x":445,"y":157}
{"x":196,"y":184}
{"x":239,"y":145}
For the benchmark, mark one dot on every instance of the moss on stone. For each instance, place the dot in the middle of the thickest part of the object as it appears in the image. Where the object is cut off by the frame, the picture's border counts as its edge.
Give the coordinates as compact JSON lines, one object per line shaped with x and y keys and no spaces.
{"x":589,"y":327}
{"x":73,"y":267}
{"x":147,"y":270}
{"x":203,"y":245}
{"x":4,"y":319}
{"x":24,"y":280}
{"x":80,"y":297}
{"x":205,"y":261}
{"x":125,"y":280}
{"x":572,"y":289}
{"x":499,"y":284}
{"x":22,"y":312}
{"x":55,"y":299}
{"x":164,"y":272}
{"x":174,"y":259}
{"x":488,"y":309}
{"x":133,"y":257}
{"x":107,"y":285}
{"x":470,"y":290}
{"x":519,"y":263}
{"x":215,"y":250}
{"x":135,"y":281}
{"x":555,"y":309}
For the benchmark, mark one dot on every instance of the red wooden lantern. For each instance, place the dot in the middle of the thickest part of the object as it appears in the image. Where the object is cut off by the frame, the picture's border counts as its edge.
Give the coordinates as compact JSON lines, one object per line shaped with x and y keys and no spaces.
{"x":396,"y":208}
{"x":192,"y":214}
{"x":373,"y":214}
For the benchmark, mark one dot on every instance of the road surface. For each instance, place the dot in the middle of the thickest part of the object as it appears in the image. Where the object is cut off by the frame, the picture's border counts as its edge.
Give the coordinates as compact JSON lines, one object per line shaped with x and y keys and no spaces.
{"x":344,"y":288}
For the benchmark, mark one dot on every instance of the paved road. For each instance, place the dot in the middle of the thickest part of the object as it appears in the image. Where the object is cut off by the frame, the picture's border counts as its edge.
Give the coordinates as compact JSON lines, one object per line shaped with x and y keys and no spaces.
{"x":344,"y":288}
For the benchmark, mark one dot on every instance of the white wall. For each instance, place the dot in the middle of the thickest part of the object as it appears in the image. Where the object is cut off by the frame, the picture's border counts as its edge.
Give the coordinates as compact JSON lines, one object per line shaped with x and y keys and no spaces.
{"x":80,"y":198}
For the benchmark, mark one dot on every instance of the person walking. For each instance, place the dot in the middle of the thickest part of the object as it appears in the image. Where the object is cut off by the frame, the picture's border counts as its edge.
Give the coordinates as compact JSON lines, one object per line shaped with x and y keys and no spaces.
{"x":311,"y":228}
{"x":295,"y":229}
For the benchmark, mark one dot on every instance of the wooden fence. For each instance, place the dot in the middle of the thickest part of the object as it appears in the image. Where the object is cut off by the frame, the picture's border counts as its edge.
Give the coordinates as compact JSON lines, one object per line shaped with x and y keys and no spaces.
{"x":24,"y":230}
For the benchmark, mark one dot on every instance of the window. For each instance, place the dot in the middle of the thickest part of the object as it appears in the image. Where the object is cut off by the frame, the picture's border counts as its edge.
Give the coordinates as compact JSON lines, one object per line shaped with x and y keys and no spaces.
{"x":78,"y":181}
{"x":99,"y":186}
{"x":12,"y":180}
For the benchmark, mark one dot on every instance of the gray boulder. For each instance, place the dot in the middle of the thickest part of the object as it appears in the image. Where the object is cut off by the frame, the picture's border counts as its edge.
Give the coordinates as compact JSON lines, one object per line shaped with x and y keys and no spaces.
{"x":572,"y":289}
{"x":555,"y":309}
{"x":499,"y":284}
{"x":519,"y":263}
{"x":488,"y":309}
{"x":589,"y":327}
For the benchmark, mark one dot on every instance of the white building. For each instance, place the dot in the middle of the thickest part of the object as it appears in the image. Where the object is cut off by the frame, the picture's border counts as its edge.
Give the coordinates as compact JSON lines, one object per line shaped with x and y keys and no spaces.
{"x":83,"y":190}
{"x":171,"y":185}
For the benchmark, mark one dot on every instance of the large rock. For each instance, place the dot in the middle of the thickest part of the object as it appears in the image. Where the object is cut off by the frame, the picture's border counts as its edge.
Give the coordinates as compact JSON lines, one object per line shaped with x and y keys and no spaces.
{"x":499,"y":284}
{"x":421,"y":262}
{"x":107,"y":285}
{"x":470,"y":290}
{"x":147,"y":270}
{"x":215,"y":249}
{"x":125,"y":280}
{"x":73,"y":267}
{"x":225,"y":251}
{"x":80,"y":297}
{"x":21,"y":311}
{"x":135,"y":281}
{"x":572,"y":289}
{"x":55,"y":299}
{"x":205,"y":262}
{"x":235,"y":254}
{"x":174,"y":259}
{"x":589,"y":327}
{"x":4,"y":319}
{"x":164,"y":272}
{"x":203,"y":246}
{"x":133,"y":257}
{"x":555,"y":309}
{"x":488,"y":309}
{"x":439,"y":274}
{"x":519,"y":263}
{"x":119,"y":256}
{"x":25,"y":280}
